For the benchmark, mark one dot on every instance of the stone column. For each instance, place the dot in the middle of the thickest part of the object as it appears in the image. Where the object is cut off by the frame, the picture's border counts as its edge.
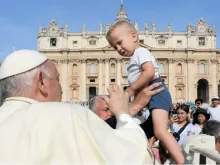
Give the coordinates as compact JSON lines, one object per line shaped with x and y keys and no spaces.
{"x":118,"y":71}
{"x":106,"y":75}
{"x":64,"y":79}
{"x":214,"y":77}
{"x":100,"y":76}
{"x":83,"y":81}
{"x":171,"y":80}
{"x":192,"y":93}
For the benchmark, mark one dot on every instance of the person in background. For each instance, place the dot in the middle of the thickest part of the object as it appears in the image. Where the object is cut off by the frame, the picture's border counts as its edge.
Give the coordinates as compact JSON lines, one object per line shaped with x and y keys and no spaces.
{"x":212,"y":128}
{"x":182,"y":115}
{"x":200,"y":117}
{"x":198,"y":103}
{"x":214,"y":109}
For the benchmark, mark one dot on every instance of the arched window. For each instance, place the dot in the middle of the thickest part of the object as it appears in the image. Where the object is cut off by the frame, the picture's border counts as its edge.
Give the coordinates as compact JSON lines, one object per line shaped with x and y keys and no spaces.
{"x":74,"y":69}
{"x":112,"y":68}
{"x":179,"y":93}
{"x":179,"y":69}
{"x":92,"y":68}
{"x":126,"y":67}
{"x":202,"y":68}
{"x":161,"y":68}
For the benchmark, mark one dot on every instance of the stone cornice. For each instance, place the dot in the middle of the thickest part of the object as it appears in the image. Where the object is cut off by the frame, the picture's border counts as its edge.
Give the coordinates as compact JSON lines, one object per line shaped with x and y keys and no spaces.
{"x":214,"y":61}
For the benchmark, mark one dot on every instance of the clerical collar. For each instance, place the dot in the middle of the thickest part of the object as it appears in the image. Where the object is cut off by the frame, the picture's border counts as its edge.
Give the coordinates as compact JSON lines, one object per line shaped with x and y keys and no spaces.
{"x":23,"y":99}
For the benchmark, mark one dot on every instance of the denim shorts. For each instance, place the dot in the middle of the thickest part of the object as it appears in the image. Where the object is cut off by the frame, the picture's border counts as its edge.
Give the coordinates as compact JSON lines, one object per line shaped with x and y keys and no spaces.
{"x":161,"y":100}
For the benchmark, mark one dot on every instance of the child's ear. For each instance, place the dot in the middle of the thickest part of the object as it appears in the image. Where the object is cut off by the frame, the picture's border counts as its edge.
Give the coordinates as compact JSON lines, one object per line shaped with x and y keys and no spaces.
{"x":134,"y":36}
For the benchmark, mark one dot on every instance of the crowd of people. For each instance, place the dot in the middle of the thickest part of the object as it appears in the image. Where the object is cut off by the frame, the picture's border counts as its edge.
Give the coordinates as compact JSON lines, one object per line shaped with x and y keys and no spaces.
{"x":37,"y":128}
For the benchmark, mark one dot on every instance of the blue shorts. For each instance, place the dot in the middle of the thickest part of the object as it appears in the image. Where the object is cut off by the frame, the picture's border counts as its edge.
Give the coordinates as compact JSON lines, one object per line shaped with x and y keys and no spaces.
{"x":161,"y":100}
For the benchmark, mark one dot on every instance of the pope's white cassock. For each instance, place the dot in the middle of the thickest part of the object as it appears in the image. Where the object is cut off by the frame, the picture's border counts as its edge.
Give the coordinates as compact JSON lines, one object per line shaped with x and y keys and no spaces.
{"x":61,"y":133}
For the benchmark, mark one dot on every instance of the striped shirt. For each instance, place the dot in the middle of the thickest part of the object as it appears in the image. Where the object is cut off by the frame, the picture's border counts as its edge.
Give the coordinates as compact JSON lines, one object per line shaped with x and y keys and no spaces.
{"x":140,"y":56}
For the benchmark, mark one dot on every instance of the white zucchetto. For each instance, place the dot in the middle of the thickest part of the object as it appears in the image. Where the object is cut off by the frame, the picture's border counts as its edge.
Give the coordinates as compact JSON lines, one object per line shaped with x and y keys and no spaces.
{"x":21,"y":61}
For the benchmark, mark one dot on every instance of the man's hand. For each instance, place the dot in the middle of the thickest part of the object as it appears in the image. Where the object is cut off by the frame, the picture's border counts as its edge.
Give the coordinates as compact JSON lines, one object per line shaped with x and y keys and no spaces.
{"x":143,"y":97}
{"x":118,"y":101}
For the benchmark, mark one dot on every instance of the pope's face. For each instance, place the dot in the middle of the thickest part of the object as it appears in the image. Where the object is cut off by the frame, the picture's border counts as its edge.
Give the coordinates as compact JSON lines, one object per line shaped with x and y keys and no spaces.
{"x":54,"y":90}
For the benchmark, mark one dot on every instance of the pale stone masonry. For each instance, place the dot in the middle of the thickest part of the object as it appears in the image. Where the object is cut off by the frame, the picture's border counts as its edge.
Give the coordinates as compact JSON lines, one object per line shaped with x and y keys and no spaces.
{"x":188,"y":60}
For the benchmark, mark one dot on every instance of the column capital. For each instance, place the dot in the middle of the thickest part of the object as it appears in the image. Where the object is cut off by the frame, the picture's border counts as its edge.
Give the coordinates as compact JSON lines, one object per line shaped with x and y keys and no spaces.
{"x":83,"y":60}
{"x":214,"y":61}
{"x":190,"y":60}
{"x":119,"y":60}
{"x":171,"y":60}
{"x":65,"y":61}
{"x":107,"y":60}
{"x":100,"y":61}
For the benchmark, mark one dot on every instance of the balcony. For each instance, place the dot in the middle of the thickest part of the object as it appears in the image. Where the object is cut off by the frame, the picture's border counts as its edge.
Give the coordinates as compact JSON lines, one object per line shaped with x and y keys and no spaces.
{"x":92,"y":75}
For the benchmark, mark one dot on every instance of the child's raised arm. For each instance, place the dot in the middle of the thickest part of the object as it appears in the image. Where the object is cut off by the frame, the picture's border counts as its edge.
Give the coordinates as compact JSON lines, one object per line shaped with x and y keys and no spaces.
{"x":145,"y":77}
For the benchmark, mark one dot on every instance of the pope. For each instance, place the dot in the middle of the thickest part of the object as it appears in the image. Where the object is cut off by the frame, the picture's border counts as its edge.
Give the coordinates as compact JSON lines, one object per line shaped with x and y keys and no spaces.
{"x":37,"y":128}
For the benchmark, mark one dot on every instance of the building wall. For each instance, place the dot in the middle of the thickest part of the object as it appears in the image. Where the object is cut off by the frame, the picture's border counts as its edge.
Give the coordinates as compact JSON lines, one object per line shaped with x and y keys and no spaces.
{"x":85,"y":59}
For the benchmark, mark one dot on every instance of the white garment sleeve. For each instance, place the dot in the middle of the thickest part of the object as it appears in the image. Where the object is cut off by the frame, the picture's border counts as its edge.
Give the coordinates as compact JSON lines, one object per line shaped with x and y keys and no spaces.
{"x":142,"y":55}
{"x":126,"y":121}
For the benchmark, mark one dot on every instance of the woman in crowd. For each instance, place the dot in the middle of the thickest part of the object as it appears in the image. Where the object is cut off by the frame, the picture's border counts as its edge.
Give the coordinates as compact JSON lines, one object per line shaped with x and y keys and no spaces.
{"x":182,"y":127}
{"x":199,"y":118}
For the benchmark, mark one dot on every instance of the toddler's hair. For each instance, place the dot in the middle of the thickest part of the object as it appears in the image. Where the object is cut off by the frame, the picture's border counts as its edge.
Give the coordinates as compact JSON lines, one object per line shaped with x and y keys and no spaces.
{"x":117,"y":24}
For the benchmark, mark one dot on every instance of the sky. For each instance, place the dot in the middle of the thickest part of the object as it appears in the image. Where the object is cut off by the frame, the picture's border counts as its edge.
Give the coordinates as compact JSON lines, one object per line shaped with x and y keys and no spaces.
{"x":20,"y":19}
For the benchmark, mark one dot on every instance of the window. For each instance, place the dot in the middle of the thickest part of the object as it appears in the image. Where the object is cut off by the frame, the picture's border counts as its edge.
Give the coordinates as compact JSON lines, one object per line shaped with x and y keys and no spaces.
{"x":179,"y":69}
{"x":75,"y":43}
{"x":161,"y":42}
{"x":161,"y":68}
{"x":92,"y":42}
{"x":201,"y":41}
{"x":112,"y":80}
{"x":202,"y":68}
{"x":92,"y":68}
{"x":179,"y":93}
{"x":141,"y":41}
{"x":53,"y":42}
{"x":179,"y":42}
{"x":112,"y":68}
{"x":74,"y":69}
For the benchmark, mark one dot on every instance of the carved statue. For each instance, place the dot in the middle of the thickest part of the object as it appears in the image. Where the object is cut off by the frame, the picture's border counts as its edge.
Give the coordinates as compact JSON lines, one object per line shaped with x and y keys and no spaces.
{"x":146,"y":27}
{"x":101,"y":28}
{"x":53,"y":23}
{"x":153,"y":27}
{"x":107,"y":27}
{"x":136,"y":25}
{"x":40,"y":29}
{"x":212,"y":30}
{"x":65,"y":28}
{"x":84,"y":27}
{"x":169,"y":27}
{"x":189,"y":27}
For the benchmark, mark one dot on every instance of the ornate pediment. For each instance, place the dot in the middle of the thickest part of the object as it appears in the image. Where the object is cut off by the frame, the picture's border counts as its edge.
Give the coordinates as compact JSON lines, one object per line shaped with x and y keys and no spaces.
{"x":52,"y":31}
{"x":202,"y":28}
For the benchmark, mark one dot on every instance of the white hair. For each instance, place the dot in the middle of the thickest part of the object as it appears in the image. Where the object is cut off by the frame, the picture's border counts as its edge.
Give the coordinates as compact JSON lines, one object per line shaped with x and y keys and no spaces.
{"x":93,"y":103}
{"x":205,"y":106}
{"x":18,"y":85}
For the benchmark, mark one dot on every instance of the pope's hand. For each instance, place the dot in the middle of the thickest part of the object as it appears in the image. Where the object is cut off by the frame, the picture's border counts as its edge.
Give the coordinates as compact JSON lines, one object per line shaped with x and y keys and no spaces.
{"x":118,"y":102}
{"x":143,"y":97}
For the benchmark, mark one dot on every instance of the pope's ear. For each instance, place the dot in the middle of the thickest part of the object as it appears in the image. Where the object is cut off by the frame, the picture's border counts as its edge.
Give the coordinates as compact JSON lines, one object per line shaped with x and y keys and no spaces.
{"x":41,"y":83}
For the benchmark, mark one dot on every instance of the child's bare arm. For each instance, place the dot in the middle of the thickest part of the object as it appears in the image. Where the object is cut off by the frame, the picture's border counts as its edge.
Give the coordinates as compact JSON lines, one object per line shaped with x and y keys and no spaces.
{"x":146,"y":76}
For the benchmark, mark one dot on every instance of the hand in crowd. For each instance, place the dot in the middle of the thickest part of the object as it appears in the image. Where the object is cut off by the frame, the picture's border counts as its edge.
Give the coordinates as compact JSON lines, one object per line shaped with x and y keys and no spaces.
{"x":172,"y":120}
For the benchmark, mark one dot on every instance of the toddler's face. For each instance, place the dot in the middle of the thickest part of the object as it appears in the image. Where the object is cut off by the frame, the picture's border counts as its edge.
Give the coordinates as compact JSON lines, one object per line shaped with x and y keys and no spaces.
{"x":123,"y":40}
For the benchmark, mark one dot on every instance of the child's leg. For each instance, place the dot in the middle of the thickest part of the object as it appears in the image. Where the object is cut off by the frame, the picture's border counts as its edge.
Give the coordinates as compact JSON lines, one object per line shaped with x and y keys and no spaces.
{"x":160,"y":124}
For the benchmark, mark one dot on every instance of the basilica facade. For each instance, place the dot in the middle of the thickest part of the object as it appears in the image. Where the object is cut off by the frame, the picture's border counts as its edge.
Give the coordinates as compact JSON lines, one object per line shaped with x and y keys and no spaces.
{"x":189,"y":61}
